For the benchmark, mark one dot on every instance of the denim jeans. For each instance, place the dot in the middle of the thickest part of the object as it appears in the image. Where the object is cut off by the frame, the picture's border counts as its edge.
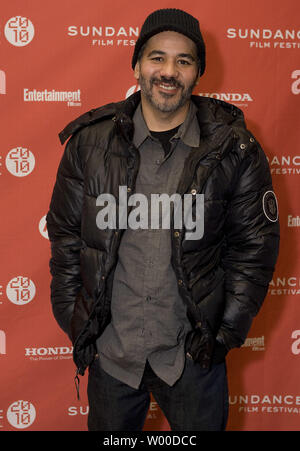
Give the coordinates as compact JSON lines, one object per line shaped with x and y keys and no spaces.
{"x":198,"y":401}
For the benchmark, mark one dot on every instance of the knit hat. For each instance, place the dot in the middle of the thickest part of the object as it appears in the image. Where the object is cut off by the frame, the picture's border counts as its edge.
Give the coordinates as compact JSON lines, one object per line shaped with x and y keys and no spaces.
{"x":171,"y":20}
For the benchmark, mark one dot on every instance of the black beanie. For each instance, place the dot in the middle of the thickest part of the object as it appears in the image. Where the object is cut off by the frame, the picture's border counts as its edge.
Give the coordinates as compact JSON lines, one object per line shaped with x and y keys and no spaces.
{"x":171,"y":20}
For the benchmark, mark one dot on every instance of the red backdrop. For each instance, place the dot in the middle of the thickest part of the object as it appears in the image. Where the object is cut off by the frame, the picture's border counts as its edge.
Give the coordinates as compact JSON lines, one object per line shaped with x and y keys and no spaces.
{"x":62,"y":58}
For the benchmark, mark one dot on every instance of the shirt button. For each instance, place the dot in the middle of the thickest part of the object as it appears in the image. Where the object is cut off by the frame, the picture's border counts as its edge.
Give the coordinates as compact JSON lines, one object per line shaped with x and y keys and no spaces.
{"x":157,"y":161}
{"x":180,"y":282}
{"x":176,"y":234}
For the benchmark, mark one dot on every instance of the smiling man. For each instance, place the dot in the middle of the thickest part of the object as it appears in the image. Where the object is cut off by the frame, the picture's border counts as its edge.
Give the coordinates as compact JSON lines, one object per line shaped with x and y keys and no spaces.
{"x":152,"y":310}
{"x":167,"y":71}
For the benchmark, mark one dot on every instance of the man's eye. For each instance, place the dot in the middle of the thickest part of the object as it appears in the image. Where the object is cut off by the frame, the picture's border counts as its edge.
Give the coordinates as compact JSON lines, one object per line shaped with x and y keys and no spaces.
{"x":157,"y":58}
{"x":184,"y":62}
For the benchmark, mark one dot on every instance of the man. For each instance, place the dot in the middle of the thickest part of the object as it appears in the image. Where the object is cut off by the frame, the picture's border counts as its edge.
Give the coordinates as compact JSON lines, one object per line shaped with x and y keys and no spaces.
{"x":156,"y":309}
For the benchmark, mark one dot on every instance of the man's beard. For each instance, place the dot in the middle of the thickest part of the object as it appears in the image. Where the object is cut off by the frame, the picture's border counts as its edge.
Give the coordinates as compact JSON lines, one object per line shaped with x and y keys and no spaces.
{"x":168,"y":105}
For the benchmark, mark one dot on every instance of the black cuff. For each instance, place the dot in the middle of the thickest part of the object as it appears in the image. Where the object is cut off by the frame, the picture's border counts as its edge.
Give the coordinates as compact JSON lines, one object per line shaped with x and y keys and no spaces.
{"x":220,"y":352}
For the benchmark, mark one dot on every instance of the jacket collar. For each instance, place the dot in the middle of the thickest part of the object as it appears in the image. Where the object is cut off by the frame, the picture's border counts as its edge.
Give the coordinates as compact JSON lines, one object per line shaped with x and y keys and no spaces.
{"x":215,"y":117}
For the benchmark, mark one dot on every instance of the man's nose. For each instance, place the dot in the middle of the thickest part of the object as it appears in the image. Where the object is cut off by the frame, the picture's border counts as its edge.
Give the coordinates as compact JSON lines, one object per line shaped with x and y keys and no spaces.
{"x":169,"y":69}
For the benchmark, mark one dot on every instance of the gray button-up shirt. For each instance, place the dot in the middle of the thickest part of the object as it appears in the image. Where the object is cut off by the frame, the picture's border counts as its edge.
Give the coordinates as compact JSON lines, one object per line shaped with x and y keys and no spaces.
{"x":149,"y":318}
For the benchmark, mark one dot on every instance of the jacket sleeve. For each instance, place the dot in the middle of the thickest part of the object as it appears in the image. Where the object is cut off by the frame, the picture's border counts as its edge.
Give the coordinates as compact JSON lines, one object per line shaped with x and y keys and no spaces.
{"x":252,"y":244}
{"x":64,"y":225}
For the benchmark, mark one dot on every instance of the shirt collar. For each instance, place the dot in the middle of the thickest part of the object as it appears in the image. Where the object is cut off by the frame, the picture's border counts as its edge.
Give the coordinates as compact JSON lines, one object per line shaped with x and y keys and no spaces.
{"x":188,"y":132}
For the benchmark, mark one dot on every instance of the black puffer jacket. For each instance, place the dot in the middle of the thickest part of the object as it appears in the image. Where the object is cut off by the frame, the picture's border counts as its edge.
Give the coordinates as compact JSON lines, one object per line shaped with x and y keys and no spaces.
{"x":222,"y":277}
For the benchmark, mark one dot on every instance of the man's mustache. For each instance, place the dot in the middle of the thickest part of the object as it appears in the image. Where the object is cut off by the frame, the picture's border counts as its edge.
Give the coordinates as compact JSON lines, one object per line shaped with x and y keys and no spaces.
{"x":168,"y":81}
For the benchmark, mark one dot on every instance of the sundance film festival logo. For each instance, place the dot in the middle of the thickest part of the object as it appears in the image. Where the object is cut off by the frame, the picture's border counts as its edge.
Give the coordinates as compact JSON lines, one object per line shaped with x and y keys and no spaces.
{"x":19,"y":31}
{"x":105,"y":36}
{"x":21,"y":414}
{"x":284,"y":285}
{"x":157,"y":214}
{"x":268,"y":403}
{"x":20,"y":290}
{"x":20,"y":161}
{"x":266,"y":38}
{"x":284,"y":164}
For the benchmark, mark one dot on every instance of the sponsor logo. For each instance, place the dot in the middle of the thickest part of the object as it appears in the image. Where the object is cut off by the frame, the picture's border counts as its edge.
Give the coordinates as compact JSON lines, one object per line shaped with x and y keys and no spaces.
{"x":296,"y":344}
{"x":20,"y":161}
{"x":19,"y":31}
{"x":2,"y":82}
{"x":284,"y":164}
{"x":20,"y":290}
{"x":50,"y":353}
{"x":271,"y":403}
{"x":256,"y":343}
{"x":132,"y":90}
{"x":43,"y":228}
{"x":71,"y":98}
{"x":293,"y":221}
{"x":84,"y":410}
{"x":239,"y":99}
{"x":21,"y":414}
{"x":296,"y":84}
{"x":2,"y":342}
{"x":105,"y":36}
{"x":73,"y":410}
{"x":284,"y":285}
{"x":266,"y":38}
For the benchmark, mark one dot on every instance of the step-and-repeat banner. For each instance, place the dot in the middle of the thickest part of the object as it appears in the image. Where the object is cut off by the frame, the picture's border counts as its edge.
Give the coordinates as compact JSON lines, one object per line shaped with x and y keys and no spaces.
{"x":61,"y":58}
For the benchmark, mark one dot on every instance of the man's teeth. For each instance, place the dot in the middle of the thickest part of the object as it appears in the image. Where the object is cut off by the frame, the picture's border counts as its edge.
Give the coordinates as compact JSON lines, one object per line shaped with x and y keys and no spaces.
{"x":169,"y":87}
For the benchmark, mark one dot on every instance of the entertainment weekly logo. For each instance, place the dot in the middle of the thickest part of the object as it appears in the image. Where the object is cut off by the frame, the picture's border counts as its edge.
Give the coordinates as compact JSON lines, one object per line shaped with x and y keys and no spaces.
{"x":104,"y":35}
{"x":70,"y":98}
{"x":255,"y":343}
{"x":237,"y":98}
{"x":266,"y":38}
{"x":266,"y":403}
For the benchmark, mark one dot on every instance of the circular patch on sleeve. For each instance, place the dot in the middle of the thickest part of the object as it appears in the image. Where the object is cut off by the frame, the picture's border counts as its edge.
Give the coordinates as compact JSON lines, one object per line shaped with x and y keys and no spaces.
{"x":270,"y":206}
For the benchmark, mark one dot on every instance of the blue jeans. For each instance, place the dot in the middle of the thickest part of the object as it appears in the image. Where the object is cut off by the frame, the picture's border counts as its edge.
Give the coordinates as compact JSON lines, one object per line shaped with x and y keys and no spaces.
{"x":198,"y":401}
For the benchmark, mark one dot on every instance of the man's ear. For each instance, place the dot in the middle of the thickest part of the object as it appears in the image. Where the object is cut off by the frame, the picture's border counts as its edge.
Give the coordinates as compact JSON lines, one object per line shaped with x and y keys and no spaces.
{"x":137,"y":70}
